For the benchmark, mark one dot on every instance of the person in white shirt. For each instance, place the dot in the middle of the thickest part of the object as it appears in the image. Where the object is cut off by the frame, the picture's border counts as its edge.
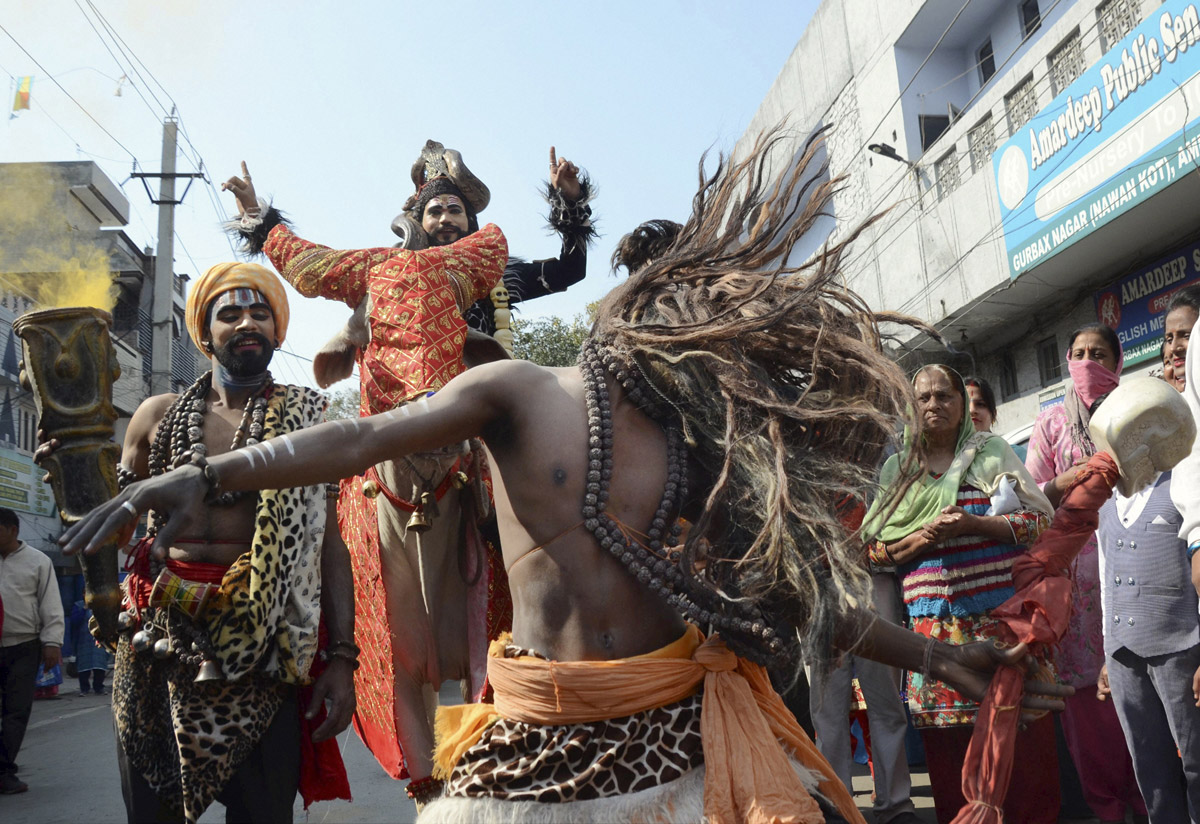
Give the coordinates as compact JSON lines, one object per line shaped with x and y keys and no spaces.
{"x":32,"y":633}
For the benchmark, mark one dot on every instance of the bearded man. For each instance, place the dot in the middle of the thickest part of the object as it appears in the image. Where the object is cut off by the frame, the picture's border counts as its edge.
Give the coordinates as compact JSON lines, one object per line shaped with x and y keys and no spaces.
{"x":220,"y":638}
{"x":719,"y":385}
{"x":430,"y":598}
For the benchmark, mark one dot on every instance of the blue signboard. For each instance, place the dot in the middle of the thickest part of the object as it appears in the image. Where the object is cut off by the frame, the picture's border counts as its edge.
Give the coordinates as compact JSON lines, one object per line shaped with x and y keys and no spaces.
{"x":1124,"y":130}
{"x":1136,"y":306}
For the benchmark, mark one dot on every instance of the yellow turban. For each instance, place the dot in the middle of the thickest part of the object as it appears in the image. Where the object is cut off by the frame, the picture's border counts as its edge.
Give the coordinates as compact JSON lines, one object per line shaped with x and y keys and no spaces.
{"x":225,"y":276}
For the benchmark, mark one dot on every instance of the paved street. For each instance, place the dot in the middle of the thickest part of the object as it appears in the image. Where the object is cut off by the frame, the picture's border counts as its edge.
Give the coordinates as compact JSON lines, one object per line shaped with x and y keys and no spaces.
{"x":69,"y":761}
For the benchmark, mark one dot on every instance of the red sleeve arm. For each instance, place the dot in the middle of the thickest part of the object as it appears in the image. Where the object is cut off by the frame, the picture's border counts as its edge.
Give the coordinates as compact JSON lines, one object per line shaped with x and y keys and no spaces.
{"x":318,"y":271}
{"x":474,"y":264}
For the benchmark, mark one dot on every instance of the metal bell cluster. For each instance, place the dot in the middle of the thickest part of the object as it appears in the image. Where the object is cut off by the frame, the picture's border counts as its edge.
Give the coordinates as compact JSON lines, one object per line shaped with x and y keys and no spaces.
{"x":151,"y":639}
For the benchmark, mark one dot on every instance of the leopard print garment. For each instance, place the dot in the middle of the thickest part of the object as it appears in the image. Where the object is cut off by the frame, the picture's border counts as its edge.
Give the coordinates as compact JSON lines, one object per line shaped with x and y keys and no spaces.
{"x":518,"y":761}
{"x":270,"y":624}
{"x":185,"y":739}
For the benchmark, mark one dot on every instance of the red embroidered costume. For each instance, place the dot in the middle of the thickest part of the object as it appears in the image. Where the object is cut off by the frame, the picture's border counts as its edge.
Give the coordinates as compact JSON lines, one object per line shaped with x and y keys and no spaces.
{"x":417,"y":332}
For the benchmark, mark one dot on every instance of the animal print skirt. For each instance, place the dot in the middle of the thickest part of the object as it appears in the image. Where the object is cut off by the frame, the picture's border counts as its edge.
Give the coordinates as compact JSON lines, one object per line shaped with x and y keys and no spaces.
{"x":187,"y":739}
{"x":644,"y":767}
{"x":519,"y":761}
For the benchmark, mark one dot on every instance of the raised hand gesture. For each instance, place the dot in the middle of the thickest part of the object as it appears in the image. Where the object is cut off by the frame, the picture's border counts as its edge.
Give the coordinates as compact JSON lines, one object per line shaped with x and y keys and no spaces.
{"x":564,"y":176}
{"x":243,"y":190}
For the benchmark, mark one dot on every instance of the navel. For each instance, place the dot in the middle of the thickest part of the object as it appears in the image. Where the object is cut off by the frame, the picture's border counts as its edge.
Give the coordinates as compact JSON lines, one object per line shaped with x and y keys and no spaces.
{"x":560,"y":476}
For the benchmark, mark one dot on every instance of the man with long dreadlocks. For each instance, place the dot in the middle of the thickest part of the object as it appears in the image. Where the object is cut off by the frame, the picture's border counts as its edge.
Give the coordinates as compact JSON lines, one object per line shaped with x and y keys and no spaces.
{"x":220,"y":640}
{"x":750,"y":398}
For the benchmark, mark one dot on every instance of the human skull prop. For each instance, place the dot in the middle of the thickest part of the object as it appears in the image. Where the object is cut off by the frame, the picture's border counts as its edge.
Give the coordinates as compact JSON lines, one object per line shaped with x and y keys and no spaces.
{"x":499,"y":295}
{"x":1146,"y":426}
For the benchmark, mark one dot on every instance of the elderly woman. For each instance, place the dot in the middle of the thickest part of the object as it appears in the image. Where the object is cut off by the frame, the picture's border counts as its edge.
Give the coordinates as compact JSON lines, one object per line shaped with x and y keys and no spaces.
{"x":1060,"y":442}
{"x":953,"y":537}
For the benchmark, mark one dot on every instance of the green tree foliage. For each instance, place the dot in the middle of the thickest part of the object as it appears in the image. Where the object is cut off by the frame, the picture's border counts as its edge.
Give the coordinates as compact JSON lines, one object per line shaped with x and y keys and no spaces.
{"x":549,"y":341}
{"x":343,"y":405}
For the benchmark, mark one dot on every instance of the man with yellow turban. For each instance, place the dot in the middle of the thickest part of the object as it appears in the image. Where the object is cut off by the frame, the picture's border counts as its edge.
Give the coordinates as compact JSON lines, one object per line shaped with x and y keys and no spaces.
{"x":220,"y":640}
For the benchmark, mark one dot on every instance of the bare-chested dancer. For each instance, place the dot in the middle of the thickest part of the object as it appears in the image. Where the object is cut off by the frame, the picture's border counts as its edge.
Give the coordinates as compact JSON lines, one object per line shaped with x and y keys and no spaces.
{"x":719,"y":386}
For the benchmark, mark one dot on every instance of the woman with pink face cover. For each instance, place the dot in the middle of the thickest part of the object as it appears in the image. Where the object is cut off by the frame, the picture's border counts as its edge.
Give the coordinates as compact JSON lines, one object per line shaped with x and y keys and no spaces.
{"x":1059,"y":444}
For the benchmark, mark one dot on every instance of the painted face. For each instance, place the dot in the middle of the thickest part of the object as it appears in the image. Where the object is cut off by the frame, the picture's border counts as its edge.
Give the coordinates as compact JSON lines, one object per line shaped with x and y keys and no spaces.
{"x":242,"y":332}
{"x":1092,"y":346}
{"x":445,"y":220}
{"x":1177,"y":329}
{"x":981,"y":416}
{"x":938,"y":403}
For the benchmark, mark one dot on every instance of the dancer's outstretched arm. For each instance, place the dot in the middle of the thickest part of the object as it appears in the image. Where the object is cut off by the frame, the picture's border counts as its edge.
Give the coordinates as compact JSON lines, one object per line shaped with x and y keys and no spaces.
{"x":463,"y":409}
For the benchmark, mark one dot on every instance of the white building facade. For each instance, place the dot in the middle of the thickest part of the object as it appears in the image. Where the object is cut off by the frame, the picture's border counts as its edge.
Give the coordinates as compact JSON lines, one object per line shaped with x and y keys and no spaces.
{"x":1039,"y":161}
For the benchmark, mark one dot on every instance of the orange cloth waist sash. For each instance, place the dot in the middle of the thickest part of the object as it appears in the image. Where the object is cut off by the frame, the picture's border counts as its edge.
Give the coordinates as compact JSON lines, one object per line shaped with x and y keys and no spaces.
{"x":746,"y":731}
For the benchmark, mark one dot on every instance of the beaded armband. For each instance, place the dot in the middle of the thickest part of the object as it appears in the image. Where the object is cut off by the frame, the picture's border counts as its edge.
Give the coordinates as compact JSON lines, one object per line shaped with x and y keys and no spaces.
{"x":210,"y":476}
{"x":125,"y":476}
{"x":332,"y":491}
{"x":346,"y":650}
{"x":1191,"y":550}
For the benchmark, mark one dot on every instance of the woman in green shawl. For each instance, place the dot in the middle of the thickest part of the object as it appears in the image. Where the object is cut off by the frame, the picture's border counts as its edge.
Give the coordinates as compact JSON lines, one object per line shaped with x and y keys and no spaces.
{"x":953,"y":537}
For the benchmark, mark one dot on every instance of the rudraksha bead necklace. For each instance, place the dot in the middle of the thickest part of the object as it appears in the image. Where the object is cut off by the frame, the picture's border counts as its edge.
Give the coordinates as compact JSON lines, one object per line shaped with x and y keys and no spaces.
{"x":180,"y":433}
{"x":740,"y":622}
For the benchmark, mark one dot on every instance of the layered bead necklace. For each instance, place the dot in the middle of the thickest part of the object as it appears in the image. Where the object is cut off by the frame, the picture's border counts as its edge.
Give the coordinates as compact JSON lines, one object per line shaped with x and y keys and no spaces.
{"x":180,"y":433}
{"x":657,"y":564}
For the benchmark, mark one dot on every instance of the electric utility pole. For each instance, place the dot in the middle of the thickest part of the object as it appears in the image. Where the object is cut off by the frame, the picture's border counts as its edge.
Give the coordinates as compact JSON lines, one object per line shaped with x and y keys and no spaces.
{"x":163,"y":307}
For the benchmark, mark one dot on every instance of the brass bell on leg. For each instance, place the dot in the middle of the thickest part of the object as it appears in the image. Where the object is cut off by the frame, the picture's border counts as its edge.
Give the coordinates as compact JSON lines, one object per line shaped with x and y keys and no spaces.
{"x":418,"y":522}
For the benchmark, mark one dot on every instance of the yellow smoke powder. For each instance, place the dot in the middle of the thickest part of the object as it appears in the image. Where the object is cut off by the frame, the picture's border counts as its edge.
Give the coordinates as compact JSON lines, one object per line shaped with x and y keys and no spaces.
{"x":49,"y":249}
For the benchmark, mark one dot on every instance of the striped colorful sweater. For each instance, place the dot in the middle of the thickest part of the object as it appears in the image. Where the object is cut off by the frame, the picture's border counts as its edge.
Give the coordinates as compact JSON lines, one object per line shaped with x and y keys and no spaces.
{"x":949,"y":594}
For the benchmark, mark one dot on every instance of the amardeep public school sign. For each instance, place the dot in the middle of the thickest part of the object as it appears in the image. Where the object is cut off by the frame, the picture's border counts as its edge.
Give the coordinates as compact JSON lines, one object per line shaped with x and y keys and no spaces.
{"x":1136,"y":306}
{"x":1125,"y":129}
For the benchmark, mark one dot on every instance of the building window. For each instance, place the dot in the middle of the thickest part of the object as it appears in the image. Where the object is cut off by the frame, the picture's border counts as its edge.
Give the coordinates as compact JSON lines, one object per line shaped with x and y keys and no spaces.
{"x":982,"y":142}
{"x":1008,"y":376}
{"x":1049,"y":361}
{"x":985,"y":58}
{"x":932,"y":127}
{"x":1031,"y":17}
{"x":946,"y":172}
{"x":1117,"y":19}
{"x":1066,"y":63}
{"x":1020,"y":104}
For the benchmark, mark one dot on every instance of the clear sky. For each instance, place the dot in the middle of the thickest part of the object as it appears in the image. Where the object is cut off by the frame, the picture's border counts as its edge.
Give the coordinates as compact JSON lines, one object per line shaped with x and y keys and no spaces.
{"x":329,"y":104}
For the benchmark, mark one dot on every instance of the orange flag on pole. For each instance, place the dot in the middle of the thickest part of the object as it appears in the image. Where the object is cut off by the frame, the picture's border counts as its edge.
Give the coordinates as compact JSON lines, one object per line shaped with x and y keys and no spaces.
{"x":21,"y":100}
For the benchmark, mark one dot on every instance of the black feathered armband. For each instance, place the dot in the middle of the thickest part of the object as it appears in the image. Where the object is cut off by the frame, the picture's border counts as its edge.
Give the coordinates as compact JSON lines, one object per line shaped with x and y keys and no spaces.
{"x":255,"y":225}
{"x":572,"y":219}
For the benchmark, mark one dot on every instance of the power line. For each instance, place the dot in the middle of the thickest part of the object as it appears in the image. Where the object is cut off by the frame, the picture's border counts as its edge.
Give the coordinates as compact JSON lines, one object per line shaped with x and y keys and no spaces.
{"x":870,"y":249}
{"x":887,"y":194}
{"x":68,"y":94}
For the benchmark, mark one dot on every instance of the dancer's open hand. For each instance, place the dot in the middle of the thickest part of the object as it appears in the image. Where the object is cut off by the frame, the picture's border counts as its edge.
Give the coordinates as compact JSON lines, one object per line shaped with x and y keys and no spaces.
{"x":179,"y":494}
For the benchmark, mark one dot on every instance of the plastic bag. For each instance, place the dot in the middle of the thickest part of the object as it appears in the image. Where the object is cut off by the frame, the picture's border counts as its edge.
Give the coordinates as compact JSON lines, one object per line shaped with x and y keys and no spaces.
{"x":49,"y":679}
{"x":1004,"y":499}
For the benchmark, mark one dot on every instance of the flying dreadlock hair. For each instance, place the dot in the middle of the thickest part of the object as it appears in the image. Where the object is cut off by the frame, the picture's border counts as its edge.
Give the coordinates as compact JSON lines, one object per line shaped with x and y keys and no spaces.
{"x":778,"y":380}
